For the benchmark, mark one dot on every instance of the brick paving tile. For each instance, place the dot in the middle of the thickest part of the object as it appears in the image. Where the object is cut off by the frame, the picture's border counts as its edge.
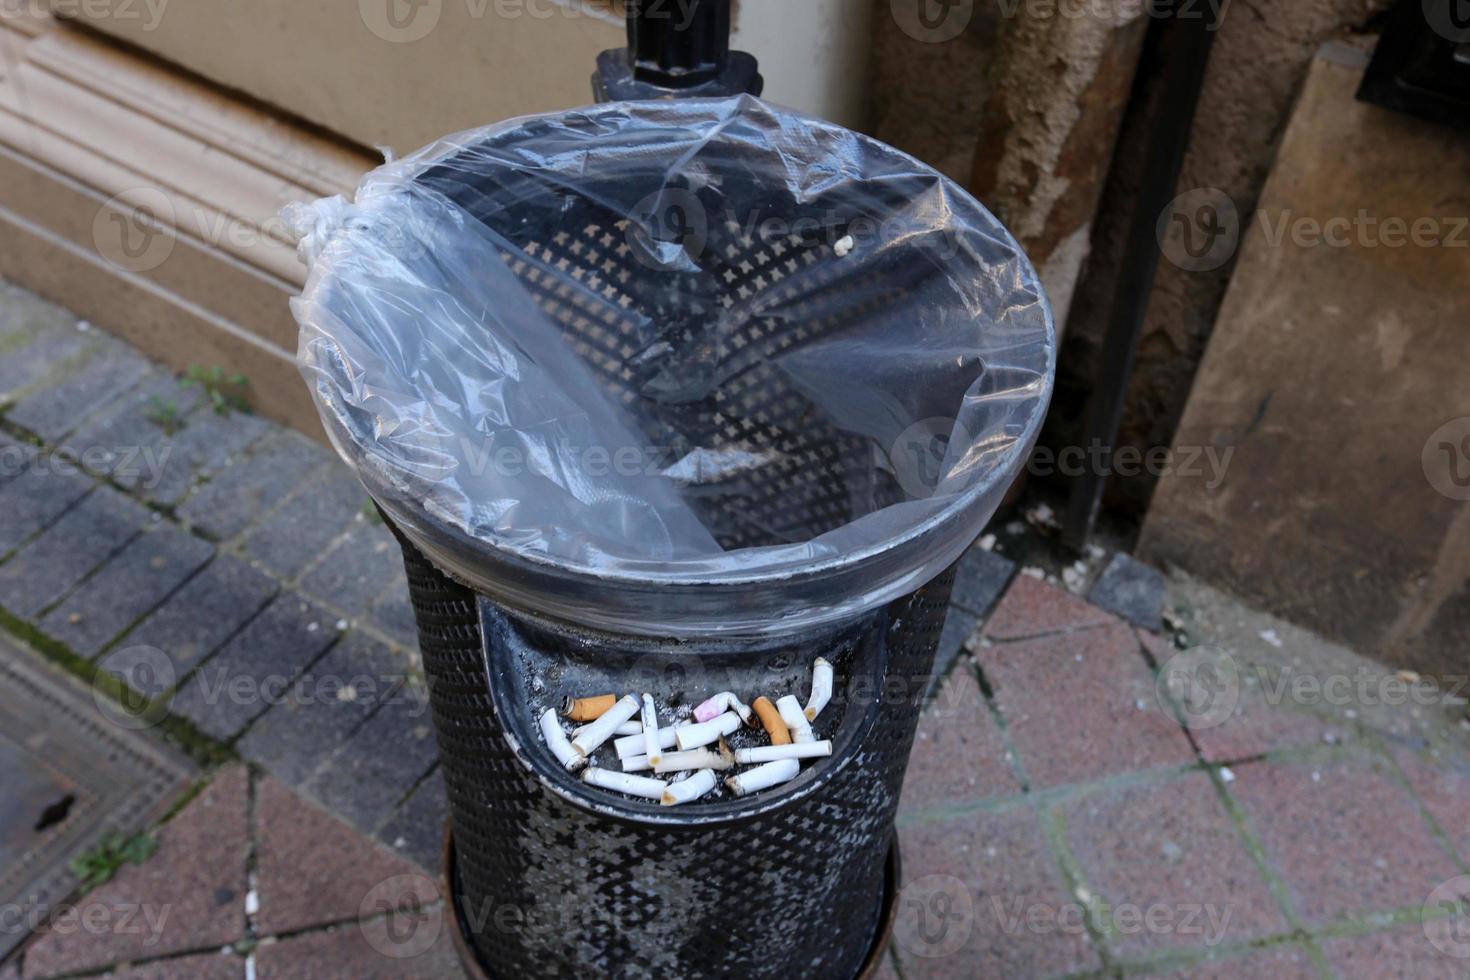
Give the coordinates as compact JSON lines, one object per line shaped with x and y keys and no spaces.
{"x":886,"y":969}
{"x":323,"y":708}
{"x":1255,"y":725}
{"x":380,"y":763}
{"x":1170,"y":846}
{"x":28,"y":365}
{"x":127,"y":440}
{"x":141,"y":576}
{"x":256,"y":668}
{"x":45,"y":570}
{"x":312,"y":869}
{"x":37,"y":496}
{"x":1020,"y":921}
{"x":1276,"y":963}
{"x":362,"y":567}
{"x":198,"y":618}
{"x":422,"y":950}
{"x":1444,"y":786}
{"x":959,"y":755}
{"x":958,"y":625}
{"x":1343,"y":834}
{"x":980,"y":579}
{"x":1032,"y":608}
{"x":204,"y":966}
{"x":1082,"y":705}
{"x":416,"y":829}
{"x":1132,"y":590}
{"x":15,"y":459}
{"x":302,"y":528}
{"x":246,"y":490}
{"x":54,"y":411}
{"x":206,"y":444}
{"x":393,"y":614}
{"x":195,"y":884}
{"x":1405,"y":953}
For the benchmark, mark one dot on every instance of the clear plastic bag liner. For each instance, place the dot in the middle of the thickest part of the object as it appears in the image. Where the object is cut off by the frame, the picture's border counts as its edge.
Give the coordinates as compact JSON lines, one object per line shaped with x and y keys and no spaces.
{"x":675,"y":367}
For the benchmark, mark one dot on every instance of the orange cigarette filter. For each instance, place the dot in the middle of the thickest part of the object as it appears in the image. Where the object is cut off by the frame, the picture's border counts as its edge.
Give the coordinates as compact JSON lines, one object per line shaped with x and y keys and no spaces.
{"x":588,"y":709}
{"x":771,"y":721}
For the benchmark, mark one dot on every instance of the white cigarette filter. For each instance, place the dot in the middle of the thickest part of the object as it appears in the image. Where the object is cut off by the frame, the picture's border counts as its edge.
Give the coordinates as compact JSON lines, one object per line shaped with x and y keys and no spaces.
{"x":719,"y":704}
{"x":556,"y":740}
{"x":791,"y":713}
{"x":602,"y":729}
{"x":626,"y":728}
{"x":689,"y":789}
{"x":776,"y":753}
{"x":761,"y":777}
{"x":695,"y":736}
{"x":694,"y":759}
{"x":821,"y":688}
{"x":621,"y":782}
{"x":651,"y":748}
{"x":632,"y":745}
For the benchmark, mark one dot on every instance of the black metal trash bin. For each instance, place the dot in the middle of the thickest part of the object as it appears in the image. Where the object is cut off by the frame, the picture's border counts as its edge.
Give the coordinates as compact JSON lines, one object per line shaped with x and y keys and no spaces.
{"x":638,"y":238}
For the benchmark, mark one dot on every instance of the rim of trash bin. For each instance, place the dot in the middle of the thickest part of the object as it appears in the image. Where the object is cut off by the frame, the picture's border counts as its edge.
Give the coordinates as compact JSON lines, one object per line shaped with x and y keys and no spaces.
{"x":653,"y":601}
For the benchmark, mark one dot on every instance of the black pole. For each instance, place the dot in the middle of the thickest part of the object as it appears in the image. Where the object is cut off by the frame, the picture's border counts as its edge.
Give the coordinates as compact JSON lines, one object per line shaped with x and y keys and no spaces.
{"x":676,"y":48}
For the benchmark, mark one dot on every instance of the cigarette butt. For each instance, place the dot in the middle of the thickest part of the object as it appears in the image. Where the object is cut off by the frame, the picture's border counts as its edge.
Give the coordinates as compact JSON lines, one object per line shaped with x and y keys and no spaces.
{"x":626,"y":728}
{"x":771,"y":721}
{"x":719,"y":704}
{"x":636,"y":763}
{"x":556,"y":740}
{"x":775,"y":753}
{"x":601,"y":730}
{"x":651,"y":748}
{"x":588,"y":709}
{"x":633,"y":744}
{"x":689,"y":789}
{"x":821,"y":688}
{"x":695,"y":736}
{"x":761,"y":777}
{"x":692,"y":760}
{"x":790,"y":711}
{"x":621,"y":782}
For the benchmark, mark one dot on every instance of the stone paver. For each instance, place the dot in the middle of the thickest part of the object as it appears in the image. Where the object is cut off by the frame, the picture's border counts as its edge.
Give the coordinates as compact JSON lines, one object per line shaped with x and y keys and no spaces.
{"x":53,"y":412}
{"x":193,"y":887}
{"x":324,"y":707}
{"x":29,"y":365}
{"x":393,"y":613}
{"x":1132,"y":590}
{"x":41,"y":573}
{"x":980,"y":579}
{"x":416,"y":829}
{"x":1346,"y":838}
{"x":207,"y":443}
{"x":1172,"y":867}
{"x":1404,"y":953}
{"x":380,"y":764}
{"x":35,"y":497}
{"x":1445,"y":791}
{"x":128,"y":440}
{"x":959,"y":756}
{"x":205,"y":966}
{"x":141,"y":576}
{"x":307,"y":524}
{"x":1020,"y":920}
{"x":1082,"y":705}
{"x":313,"y":870}
{"x":1275,"y":963}
{"x":1034,"y":608}
{"x":362,"y":567}
{"x":373,"y":951}
{"x":256,"y":668}
{"x":206,"y":612}
{"x":245,"y":491}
